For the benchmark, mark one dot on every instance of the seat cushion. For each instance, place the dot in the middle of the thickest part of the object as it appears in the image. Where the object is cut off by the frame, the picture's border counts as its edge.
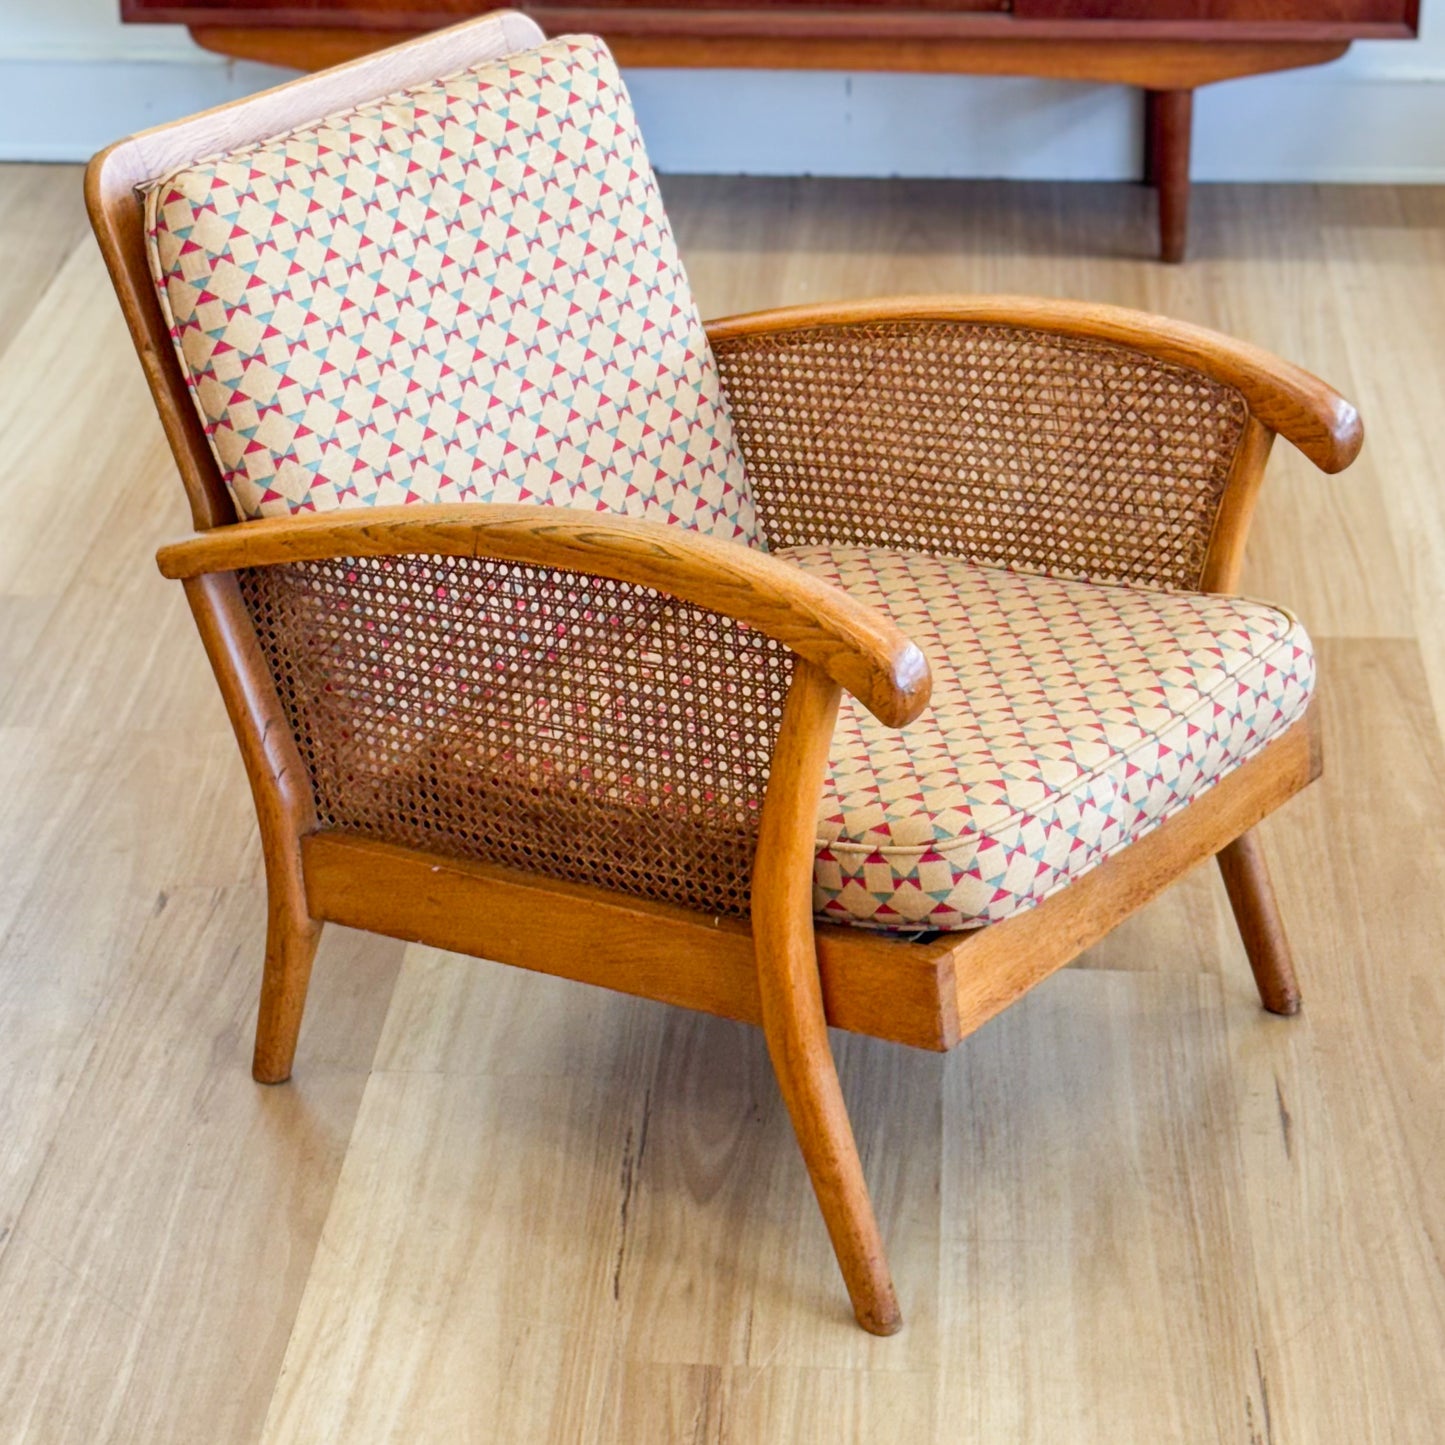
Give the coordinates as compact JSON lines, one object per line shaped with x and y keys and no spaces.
{"x":465,"y":291}
{"x":1067,"y":721}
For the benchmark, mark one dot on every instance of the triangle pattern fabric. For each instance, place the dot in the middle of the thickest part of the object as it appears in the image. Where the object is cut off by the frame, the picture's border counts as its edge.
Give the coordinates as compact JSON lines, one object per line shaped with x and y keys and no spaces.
{"x":1067,"y":721}
{"x":465,"y":291}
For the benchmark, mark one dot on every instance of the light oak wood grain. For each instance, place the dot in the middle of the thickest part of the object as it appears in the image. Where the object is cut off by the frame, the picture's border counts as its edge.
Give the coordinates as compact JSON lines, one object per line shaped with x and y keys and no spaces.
{"x":489,"y":1351}
{"x":93,"y":813}
{"x":43,"y":541}
{"x":1278,"y":1183}
{"x":1406,"y":233}
{"x":697,"y":1158}
{"x":1093,"y":1238}
{"x":216,"y":1199}
{"x":41,"y":222}
{"x":89,"y":622}
{"x":1343,"y":1120}
{"x":1321,"y":543}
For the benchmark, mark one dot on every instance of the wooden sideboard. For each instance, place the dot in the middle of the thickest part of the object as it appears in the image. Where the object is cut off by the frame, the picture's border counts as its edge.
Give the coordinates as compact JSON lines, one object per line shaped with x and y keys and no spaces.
{"x":1168,"y":48}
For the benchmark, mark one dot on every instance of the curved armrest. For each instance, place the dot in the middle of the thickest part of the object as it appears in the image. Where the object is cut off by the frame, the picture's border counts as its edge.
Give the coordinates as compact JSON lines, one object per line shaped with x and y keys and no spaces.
{"x":1287,"y":399}
{"x":855,"y":646}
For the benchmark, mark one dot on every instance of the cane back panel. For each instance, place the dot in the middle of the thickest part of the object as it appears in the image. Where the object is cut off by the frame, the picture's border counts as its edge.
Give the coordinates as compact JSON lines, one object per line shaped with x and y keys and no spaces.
{"x":998,"y":444}
{"x":581,"y":728}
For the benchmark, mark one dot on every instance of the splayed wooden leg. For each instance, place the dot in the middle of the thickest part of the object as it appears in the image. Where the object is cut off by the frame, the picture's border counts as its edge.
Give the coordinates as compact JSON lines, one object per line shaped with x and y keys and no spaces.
{"x":1251,"y":894}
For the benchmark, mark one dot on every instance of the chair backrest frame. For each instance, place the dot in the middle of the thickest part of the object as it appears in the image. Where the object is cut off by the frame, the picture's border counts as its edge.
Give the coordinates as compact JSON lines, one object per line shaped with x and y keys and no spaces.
{"x":117,"y":209}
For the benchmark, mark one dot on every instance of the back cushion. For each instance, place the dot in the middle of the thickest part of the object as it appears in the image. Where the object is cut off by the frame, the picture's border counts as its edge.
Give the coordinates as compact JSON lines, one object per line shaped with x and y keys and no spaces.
{"x":465,"y":291}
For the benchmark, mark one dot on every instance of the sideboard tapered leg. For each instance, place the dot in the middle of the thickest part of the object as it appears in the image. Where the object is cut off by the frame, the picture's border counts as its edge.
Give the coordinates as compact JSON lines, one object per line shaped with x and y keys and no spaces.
{"x":1169,"y":122}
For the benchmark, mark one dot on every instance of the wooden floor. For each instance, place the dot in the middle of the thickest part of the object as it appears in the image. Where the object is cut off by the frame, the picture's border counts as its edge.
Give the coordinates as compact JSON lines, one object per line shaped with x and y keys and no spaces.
{"x":496,"y":1207}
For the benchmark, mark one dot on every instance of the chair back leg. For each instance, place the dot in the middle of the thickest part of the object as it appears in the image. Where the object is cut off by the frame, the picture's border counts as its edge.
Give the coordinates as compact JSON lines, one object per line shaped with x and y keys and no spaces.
{"x":792,"y":998}
{"x":1256,"y":911}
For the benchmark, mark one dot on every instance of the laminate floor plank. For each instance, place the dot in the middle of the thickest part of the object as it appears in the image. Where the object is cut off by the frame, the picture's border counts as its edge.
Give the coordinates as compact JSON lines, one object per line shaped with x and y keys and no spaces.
{"x":78,"y":432}
{"x":497,"y":1206}
{"x":111,"y":826}
{"x":84,"y":476}
{"x":1343,"y":1127}
{"x":1096,"y":1266}
{"x":1394,"y":313}
{"x":42,"y":220}
{"x":180,"y":1195}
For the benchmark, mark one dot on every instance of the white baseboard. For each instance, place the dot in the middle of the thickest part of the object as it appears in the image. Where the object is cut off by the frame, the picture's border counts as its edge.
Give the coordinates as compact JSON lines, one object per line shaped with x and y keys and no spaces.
{"x":1334,"y":124}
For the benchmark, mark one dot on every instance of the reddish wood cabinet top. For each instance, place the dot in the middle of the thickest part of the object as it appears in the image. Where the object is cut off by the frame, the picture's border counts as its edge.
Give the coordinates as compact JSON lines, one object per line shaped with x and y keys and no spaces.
{"x":875,"y":19}
{"x":1166,"y":47}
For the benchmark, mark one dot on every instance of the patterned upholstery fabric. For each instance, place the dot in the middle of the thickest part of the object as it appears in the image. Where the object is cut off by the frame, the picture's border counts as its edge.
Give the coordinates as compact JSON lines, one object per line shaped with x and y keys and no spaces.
{"x":466,"y":291}
{"x":1067,"y":720}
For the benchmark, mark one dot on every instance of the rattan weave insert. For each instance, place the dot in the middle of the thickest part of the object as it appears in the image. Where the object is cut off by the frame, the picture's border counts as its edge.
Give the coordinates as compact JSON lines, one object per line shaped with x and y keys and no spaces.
{"x":589,"y":730}
{"x":1002,"y":445}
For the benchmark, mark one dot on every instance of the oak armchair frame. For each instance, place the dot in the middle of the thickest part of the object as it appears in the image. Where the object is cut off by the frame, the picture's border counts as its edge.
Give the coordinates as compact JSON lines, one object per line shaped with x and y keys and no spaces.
{"x":781,"y":969}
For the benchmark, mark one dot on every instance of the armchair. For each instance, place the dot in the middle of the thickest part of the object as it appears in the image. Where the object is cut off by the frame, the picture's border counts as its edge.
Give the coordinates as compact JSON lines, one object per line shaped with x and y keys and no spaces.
{"x":559,"y":630}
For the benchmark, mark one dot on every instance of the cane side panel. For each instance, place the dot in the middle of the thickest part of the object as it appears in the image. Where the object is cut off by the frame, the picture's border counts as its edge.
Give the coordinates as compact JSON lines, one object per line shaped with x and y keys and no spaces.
{"x":998,"y":444}
{"x":572,"y":726}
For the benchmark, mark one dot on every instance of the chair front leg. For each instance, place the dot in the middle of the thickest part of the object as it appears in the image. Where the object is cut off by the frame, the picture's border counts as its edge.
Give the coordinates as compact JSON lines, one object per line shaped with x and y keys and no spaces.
{"x":792,"y":997}
{"x":291,"y":940}
{"x":284,"y":810}
{"x":1256,"y":911}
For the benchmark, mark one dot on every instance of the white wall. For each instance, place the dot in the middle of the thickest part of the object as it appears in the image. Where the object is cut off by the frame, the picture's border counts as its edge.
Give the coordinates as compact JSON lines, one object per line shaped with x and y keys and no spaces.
{"x":73,"y":78}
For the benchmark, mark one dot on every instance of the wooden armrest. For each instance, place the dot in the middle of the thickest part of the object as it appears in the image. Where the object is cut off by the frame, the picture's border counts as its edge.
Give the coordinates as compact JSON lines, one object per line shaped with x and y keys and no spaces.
{"x":1285,"y":398}
{"x":857,"y":647}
